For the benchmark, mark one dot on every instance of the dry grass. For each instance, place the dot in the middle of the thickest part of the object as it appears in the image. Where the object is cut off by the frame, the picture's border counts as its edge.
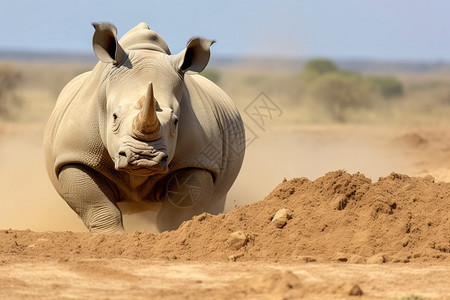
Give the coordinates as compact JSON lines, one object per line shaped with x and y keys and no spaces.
{"x":40,"y":84}
{"x":426,"y":99}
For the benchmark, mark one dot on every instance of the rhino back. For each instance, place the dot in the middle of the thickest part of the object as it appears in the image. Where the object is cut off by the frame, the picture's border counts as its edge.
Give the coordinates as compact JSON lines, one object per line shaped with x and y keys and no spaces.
{"x":211,"y":132}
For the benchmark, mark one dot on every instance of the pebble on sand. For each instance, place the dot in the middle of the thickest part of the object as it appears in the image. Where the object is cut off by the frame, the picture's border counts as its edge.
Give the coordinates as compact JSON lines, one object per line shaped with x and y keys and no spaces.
{"x":237,"y":240}
{"x":376,"y":259}
{"x":281,"y":217}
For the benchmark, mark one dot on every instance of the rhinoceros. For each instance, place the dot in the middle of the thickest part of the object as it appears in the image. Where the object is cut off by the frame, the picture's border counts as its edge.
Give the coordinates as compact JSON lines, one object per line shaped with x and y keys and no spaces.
{"x":143,"y":126}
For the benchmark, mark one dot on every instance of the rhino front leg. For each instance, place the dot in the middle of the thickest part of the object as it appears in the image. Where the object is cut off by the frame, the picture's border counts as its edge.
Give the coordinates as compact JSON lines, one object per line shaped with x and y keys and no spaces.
{"x":91,"y":197}
{"x":188,"y":192}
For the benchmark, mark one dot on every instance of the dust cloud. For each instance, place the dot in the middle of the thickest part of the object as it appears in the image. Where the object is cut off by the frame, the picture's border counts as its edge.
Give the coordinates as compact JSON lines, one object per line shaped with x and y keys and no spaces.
{"x":27,"y":197}
{"x":311,"y":152}
{"x":29,"y":201}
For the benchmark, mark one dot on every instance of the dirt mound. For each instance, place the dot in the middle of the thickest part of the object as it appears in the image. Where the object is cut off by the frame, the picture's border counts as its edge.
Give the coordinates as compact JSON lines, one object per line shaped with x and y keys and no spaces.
{"x":277,"y":284}
{"x":338,"y":217}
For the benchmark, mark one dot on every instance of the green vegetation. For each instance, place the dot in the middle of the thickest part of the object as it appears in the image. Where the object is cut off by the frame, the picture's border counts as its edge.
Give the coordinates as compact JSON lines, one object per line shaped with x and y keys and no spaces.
{"x":338,"y":93}
{"x":386,"y":86}
{"x":10,"y":78}
{"x":317,"y":67}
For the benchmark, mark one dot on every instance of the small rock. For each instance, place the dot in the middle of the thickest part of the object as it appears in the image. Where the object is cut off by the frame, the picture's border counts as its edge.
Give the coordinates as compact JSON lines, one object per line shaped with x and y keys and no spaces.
{"x":429,"y":178}
{"x":405,"y":241}
{"x":355,"y":291}
{"x":202,"y":217}
{"x":356,"y":259}
{"x":339,"y":201}
{"x":340,"y":256}
{"x":281,"y":217}
{"x":376,"y":259}
{"x":237,"y":240}
{"x":283,"y":213}
{"x":234,"y":257}
{"x":346,"y":289}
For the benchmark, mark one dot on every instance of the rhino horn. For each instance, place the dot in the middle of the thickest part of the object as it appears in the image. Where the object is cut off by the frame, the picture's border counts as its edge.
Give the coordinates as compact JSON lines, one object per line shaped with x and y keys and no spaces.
{"x":146,"y":124}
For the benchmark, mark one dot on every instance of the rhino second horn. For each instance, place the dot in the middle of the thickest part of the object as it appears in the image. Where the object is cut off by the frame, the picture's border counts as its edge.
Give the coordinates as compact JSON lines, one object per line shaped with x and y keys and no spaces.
{"x":146,"y":124}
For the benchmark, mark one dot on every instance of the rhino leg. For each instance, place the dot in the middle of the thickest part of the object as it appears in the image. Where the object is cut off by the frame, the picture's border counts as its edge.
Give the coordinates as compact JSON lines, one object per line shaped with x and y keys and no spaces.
{"x":91,"y":197}
{"x":188,"y":192}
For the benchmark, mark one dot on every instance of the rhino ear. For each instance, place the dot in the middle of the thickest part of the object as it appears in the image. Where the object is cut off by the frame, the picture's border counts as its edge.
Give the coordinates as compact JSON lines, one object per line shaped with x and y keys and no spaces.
{"x":195,"y":57}
{"x":105,"y":45}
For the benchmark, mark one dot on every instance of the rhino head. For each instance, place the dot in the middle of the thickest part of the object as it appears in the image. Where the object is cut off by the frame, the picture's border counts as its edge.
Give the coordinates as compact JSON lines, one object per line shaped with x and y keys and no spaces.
{"x":142,"y":89}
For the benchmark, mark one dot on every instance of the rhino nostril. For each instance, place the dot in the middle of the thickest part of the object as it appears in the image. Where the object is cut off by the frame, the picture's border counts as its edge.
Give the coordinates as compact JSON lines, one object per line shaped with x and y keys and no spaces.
{"x":161,"y":159}
{"x":121,"y":160}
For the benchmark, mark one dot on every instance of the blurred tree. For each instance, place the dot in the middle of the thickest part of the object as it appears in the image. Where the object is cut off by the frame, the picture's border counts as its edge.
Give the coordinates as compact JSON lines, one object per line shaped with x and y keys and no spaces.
{"x":337,"y":93}
{"x":10,"y":78}
{"x":386,"y":86}
{"x":321,"y":66}
{"x":211,"y":74}
{"x":315,"y":68}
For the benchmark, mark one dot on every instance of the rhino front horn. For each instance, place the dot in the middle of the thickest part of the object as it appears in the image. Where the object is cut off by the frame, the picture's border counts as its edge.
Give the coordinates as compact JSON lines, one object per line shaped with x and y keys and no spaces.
{"x":146,"y":124}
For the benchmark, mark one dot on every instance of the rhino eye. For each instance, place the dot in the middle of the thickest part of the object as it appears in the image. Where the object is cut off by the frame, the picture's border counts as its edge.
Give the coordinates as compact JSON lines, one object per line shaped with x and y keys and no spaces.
{"x":116,"y":122}
{"x":117,"y":117}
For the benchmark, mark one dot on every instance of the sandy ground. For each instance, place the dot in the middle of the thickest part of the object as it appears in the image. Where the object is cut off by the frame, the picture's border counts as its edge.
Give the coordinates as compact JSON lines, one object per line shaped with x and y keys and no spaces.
{"x":145,"y":279}
{"x":29,"y":202}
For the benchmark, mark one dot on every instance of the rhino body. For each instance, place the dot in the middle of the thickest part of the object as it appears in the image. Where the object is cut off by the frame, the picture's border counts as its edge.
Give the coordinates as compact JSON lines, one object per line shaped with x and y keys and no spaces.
{"x":139,"y":128}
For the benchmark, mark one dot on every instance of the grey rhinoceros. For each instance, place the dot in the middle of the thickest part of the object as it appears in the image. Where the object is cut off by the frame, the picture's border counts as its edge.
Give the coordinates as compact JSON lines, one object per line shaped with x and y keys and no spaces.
{"x":140,"y":128}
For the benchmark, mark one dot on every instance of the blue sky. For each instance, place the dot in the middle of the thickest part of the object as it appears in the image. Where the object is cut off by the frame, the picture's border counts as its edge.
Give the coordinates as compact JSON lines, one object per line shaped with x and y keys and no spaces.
{"x":377,"y":29}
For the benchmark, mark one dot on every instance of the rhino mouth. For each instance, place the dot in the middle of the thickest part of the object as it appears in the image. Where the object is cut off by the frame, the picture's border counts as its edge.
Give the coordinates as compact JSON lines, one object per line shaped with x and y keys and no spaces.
{"x":141,"y":160}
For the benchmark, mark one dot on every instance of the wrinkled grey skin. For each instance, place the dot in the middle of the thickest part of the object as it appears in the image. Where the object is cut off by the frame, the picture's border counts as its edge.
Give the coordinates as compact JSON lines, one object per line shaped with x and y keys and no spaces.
{"x":139,"y":129}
